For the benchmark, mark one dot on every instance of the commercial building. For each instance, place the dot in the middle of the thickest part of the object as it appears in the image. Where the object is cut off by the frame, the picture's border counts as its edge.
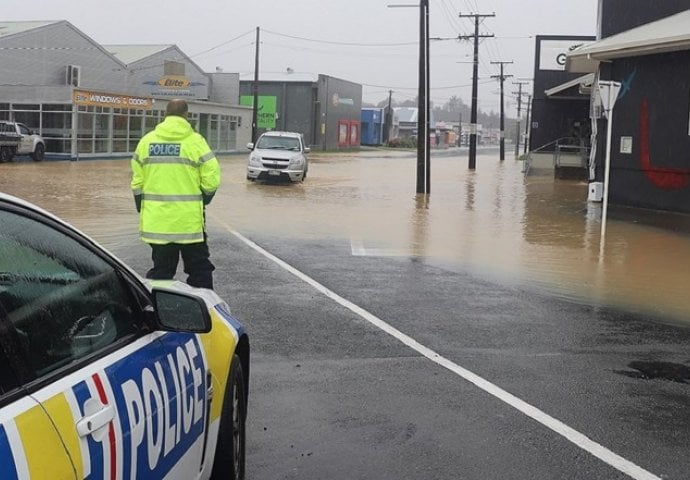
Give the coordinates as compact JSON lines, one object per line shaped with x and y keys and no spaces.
{"x":324,"y":109}
{"x":89,"y":100}
{"x":644,"y":45}
{"x":560,"y":100}
{"x":373,"y":125}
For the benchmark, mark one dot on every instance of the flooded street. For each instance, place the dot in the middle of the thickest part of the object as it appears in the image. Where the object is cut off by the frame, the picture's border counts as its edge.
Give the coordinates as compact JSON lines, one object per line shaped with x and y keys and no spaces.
{"x":535,"y":231}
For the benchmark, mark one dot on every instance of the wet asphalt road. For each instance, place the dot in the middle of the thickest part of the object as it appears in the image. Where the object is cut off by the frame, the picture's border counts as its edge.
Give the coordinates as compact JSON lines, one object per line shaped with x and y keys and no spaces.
{"x":334,"y":396}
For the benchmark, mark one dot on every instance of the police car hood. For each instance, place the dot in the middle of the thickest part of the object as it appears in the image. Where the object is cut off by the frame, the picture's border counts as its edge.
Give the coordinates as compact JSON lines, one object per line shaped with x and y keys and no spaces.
{"x":174,"y":128}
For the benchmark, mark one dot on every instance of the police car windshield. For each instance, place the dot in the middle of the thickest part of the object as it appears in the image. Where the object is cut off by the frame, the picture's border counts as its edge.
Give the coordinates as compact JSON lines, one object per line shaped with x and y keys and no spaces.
{"x":278,"y":143}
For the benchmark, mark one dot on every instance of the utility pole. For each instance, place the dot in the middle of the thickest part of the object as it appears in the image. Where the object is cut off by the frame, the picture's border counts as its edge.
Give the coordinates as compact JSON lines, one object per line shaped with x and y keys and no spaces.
{"x":423,"y":153}
{"x":475,"y":76}
{"x":502,"y":78}
{"x":427,"y":95}
{"x":389,"y":118}
{"x":255,"y":88}
{"x":460,"y":130}
{"x":423,"y":146}
{"x":527,"y":122}
{"x":519,"y":112}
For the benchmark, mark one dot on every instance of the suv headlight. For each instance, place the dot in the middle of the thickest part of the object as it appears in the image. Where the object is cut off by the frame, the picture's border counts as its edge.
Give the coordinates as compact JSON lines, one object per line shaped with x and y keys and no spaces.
{"x":255,"y":160}
{"x":297,"y":162}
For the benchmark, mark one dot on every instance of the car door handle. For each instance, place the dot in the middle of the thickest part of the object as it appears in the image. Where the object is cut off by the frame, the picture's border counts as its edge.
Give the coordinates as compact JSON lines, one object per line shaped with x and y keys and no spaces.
{"x":89,"y":424}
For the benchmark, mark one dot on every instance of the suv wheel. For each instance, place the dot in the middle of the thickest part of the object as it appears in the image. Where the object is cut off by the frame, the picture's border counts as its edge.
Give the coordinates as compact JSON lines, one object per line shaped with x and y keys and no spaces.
{"x":39,"y":153}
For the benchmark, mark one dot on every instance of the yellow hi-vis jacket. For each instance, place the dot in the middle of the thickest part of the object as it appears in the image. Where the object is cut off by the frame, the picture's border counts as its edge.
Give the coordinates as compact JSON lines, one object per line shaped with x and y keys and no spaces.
{"x":173,"y":172}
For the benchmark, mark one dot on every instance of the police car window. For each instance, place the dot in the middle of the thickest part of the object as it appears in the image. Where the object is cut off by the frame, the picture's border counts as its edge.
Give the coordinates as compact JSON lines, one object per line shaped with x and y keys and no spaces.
{"x":61,"y":302}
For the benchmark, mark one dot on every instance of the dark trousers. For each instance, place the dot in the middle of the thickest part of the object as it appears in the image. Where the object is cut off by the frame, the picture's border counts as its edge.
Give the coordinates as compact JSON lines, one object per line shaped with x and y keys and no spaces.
{"x":195,"y":257}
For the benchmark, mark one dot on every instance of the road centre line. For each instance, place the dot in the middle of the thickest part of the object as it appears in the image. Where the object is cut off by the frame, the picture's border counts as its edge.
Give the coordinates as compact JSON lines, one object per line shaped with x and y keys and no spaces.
{"x":607,"y":456}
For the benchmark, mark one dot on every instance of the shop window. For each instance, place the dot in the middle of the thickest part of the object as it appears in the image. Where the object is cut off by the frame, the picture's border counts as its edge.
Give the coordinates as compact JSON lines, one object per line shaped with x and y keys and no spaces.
{"x":224,"y":134}
{"x":354,"y":133}
{"x":102,"y":133}
{"x":56,"y":128}
{"x":120,"y":132}
{"x":343,"y":133}
{"x":135,"y":131}
{"x":30,"y":119}
{"x":59,"y":107}
{"x":26,"y":106}
{"x":85,"y":132}
{"x":202,"y":128}
{"x":213,"y":132}
{"x":151,"y":120}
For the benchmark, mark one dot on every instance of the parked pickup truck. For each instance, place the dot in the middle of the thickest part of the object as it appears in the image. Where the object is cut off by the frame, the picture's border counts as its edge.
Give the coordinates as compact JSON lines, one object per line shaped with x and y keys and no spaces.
{"x":18,"y":139}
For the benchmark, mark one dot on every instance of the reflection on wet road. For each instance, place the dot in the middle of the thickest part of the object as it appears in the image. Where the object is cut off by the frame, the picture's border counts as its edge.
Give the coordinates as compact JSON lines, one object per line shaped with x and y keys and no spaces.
{"x":534,"y":231}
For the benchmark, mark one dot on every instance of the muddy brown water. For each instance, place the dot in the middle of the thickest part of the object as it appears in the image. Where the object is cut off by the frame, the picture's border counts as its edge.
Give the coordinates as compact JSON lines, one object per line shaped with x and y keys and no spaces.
{"x":535,"y":231}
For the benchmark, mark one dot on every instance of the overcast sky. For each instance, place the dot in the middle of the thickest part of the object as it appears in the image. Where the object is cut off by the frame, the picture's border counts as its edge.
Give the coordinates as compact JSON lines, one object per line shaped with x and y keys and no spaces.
{"x":383,"y":50}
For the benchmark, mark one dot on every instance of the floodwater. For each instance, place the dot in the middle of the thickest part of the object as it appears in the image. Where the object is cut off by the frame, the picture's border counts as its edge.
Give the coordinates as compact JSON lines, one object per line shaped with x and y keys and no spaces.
{"x":532,"y":231}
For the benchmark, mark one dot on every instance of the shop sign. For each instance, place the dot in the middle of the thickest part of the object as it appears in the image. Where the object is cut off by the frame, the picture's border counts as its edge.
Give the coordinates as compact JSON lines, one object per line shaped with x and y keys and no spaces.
{"x":113,"y":100}
{"x":266,"y":113}
{"x":552,"y":53}
{"x":173,"y":86}
{"x":337,"y":100}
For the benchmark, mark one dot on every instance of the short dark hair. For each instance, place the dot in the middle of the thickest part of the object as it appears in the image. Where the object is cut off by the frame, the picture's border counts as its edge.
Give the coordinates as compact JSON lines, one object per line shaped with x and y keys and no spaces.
{"x":177,"y":107}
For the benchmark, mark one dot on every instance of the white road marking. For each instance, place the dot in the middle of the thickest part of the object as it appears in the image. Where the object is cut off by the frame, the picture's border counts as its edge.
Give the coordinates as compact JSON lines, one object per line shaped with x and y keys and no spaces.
{"x":358,"y":250}
{"x":604,"y":454}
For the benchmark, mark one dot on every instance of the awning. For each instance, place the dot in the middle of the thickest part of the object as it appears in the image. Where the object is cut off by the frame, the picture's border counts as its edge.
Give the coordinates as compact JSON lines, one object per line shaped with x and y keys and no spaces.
{"x":582,"y":83}
{"x":669,"y":34}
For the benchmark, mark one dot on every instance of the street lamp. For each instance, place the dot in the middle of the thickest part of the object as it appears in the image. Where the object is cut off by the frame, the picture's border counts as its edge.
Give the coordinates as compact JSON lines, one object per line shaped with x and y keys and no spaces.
{"x":423,"y":146}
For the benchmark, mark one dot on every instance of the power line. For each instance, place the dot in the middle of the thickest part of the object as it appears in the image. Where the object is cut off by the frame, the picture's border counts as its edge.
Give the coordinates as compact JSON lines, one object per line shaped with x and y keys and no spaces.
{"x":222,"y":44}
{"x":349,"y":44}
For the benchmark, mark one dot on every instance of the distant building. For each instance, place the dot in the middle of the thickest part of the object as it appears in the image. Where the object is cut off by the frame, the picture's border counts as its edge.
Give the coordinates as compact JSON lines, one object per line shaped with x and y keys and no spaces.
{"x":91,"y":100}
{"x":373,"y":124}
{"x":324,"y":109}
{"x":405,"y":122}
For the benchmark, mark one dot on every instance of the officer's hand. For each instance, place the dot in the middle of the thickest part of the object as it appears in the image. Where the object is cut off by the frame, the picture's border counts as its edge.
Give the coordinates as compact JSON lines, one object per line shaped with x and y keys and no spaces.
{"x":207,"y":197}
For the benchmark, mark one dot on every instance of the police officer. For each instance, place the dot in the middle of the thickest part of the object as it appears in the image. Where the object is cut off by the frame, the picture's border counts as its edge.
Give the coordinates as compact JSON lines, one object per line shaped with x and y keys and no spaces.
{"x":174,"y":176}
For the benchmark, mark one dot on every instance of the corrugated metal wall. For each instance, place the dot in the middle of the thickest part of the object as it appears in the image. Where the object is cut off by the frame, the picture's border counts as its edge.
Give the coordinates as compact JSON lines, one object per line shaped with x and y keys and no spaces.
{"x":151,"y":69}
{"x":653,"y":110}
{"x":41,"y":56}
{"x":617,"y":16}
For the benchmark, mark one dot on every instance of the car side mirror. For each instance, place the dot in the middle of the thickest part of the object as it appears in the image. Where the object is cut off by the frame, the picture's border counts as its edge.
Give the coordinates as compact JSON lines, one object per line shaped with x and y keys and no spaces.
{"x":307,"y":149}
{"x":250,"y":146}
{"x":180,"y":312}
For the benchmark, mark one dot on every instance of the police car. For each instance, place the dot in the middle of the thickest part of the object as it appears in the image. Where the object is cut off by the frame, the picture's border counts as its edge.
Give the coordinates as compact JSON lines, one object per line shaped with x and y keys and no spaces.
{"x":104,"y":375}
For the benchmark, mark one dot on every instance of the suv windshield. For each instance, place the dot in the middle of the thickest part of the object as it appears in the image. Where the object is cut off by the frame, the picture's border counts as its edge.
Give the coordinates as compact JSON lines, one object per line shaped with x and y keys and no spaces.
{"x":280,"y":143}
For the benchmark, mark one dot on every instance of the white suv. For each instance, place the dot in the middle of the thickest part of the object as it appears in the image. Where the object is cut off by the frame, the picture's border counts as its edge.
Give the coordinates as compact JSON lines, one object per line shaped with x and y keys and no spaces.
{"x":278,"y":155}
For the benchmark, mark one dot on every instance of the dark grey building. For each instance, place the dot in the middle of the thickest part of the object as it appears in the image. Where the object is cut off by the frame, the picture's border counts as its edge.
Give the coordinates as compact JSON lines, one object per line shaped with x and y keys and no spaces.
{"x":650,"y":159}
{"x":560,"y":101}
{"x":325,"y":109}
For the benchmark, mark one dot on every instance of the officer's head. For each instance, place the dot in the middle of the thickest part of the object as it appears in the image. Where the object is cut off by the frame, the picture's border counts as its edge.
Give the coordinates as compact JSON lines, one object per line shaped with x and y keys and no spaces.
{"x":177,"y":108}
